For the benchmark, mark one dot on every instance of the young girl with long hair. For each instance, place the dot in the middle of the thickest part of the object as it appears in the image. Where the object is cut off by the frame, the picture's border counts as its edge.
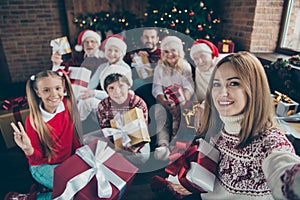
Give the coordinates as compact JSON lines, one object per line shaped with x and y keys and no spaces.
{"x":52,"y":130}
{"x":171,"y":69}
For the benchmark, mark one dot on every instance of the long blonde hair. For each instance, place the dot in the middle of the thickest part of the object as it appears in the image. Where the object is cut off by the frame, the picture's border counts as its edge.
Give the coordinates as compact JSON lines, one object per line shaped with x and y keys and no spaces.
{"x":258,"y":112}
{"x":35,"y":116}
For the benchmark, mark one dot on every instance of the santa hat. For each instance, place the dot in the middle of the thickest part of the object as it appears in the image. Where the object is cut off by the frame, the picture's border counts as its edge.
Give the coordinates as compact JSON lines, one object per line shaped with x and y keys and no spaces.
{"x":83,"y":35}
{"x":117,"y":41}
{"x":177,"y":44}
{"x":204,"y":46}
{"x":115,"y":69}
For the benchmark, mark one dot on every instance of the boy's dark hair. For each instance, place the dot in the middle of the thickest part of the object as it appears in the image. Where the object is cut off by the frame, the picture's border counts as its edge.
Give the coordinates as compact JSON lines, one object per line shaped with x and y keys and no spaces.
{"x":113,"y":78}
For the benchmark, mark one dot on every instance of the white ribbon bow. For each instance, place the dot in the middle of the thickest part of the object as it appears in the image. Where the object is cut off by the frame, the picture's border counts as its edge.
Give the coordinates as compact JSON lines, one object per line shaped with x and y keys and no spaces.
{"x":103,"y":174}
{"x":123,"y":131}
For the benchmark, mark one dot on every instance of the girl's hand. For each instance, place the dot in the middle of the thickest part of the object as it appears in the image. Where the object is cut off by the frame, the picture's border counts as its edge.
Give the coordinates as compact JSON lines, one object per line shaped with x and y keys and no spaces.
{"x":21,"y":138}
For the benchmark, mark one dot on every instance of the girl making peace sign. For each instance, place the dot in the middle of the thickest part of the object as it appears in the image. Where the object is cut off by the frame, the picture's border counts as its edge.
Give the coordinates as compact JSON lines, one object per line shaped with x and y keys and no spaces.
{"x":52,"y":130}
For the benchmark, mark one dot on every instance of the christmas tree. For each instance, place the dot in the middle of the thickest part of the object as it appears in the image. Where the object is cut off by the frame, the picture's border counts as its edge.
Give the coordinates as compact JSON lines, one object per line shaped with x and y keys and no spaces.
{"x":192,"y":17}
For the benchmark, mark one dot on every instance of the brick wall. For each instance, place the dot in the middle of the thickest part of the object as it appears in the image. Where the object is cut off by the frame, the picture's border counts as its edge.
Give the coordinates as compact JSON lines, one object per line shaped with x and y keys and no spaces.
{"x":26,"y":28}
{"x":252,"y":24}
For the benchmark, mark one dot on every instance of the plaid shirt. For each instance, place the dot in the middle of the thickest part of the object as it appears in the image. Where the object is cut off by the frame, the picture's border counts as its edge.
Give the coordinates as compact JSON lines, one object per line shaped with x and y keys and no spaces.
{"x":107,"y":109}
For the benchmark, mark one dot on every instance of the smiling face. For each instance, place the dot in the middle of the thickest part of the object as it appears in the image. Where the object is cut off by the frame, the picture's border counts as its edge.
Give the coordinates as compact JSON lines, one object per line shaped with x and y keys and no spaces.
{"x":118,"y":91}
{"x":170,"y":54}
{"x":51,"y":91}
{"x":150,"y":39}
{"x":113,"y":54}
{"x":90,"y":46}
{"x":228,"y":94}
{"x":203,"y":61}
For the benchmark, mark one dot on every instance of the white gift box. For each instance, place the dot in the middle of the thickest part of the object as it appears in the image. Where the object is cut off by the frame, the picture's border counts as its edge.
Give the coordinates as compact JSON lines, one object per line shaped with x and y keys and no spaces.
{"x":80,"y":77}
{"x":202,"y":176}
{"x":286,"y":109}
{"x":60,"y":45}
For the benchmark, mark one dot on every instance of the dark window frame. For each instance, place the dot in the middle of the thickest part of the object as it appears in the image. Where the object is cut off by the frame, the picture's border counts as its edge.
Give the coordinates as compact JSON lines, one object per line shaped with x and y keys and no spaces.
{"x":279,"y":48}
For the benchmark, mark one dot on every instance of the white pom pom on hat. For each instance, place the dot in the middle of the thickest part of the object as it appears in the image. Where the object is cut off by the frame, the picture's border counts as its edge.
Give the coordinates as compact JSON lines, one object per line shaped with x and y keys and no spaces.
{"x":115,"y":69}
{"x":83,"y":35}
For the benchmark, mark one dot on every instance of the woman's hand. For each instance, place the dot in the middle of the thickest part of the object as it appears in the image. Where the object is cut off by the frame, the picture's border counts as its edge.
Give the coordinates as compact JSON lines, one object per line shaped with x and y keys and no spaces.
{"x":166,"y":103}
{"x":21,"y":138}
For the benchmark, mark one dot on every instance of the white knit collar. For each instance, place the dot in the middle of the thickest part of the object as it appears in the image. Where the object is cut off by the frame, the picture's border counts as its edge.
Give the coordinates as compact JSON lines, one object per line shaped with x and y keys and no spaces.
{"x":48,"y":116}
{"x":232,"y":124}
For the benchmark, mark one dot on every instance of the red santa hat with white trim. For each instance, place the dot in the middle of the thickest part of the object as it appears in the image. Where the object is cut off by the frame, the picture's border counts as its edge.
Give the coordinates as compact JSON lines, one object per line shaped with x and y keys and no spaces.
{"x":204,"y":46}
{"x":83,"y":35}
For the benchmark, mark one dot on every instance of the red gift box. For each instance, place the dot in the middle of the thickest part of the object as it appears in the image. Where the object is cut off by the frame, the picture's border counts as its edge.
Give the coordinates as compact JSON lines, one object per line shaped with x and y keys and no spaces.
{"x":75,"y":174}
{"x":175,"y":94}
{"x":196,"y":167}
{"x":12,"y":110}
{"x":226,"y":46}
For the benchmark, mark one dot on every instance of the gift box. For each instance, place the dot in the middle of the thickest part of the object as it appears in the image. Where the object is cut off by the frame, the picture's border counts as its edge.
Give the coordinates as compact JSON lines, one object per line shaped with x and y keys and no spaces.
{"x":80,"y":77}
{"x":129,"y":129}
{"x":144,"y":71}
{"x":196,"y":167}
{"x":226,"y":46}
{"x":12,"y":110}
{"x":142,"y":66}
{"x":60,"y":45}
{"x":189,"y":115}
{"x":202,"y":173}
{"x":284,"y":105}
{"x":100,"y":173}
{"x":174,"y":93}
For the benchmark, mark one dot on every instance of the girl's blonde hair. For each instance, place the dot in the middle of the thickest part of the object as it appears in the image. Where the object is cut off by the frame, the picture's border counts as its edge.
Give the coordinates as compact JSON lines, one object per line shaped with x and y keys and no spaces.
{"x":258,"y":112}
{"x":35,"y":115}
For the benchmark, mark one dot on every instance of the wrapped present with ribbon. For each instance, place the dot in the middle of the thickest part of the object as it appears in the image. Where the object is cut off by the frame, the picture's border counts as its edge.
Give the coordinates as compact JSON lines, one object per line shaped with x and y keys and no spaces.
{"x":174,"y":93}
{"x":80,"y":77}
{"x":100,"y":173}
{"x":284,"y":105}
{"x":196,"y":167}
{"x":189,"y":115}
{"x":128,"y":129}
{"x":12,"y":110}
{"x":60,"y":45}
{"x":226,"y":46}
{"x":142,"y":66}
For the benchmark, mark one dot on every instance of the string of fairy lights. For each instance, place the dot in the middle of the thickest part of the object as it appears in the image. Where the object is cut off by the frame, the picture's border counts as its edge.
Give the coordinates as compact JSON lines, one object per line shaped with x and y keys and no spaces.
{"x":197,"y":20}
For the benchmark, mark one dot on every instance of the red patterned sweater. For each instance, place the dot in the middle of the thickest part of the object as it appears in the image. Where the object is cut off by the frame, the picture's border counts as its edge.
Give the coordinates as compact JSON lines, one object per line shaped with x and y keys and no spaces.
{"x":261,"y":170}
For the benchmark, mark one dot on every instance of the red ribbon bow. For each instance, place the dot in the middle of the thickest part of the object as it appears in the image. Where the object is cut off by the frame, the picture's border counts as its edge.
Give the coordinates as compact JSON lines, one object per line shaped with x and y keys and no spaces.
{"x":66,"y":71}
{"x":15,"y":104}
{"x":175,"y":93}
